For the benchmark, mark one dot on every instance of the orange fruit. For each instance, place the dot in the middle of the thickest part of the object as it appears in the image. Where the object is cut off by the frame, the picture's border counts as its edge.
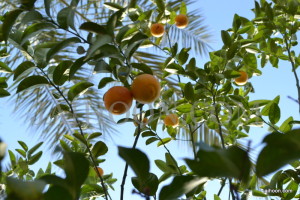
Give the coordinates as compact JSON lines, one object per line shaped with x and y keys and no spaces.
{"x":118,"y":100}
{"x":100,"y":170}
{"x":145,"y":88}
{"x":243,"y":79}
{"x":181,"y":21}
{"x":157,"y":30}
{"x":171,"y":120}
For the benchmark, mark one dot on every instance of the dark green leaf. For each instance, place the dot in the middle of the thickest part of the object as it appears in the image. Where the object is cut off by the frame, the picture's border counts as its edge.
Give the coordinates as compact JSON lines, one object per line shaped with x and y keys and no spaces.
{"x":47,"y":4}
{"x":189,"y":92}
{"x":76,"y":66}
{"x":274,"y":113}
{"x":137,"y":160}
{"x":61,"y":45}
{"x":99,"y":149}
{"x":76,"y":168}
{"x":65,"y":17}
{"x":258,"y":193}
{"x":286,"y":125}
{"x":226,"y":38}
{"x":4,"y":93}
{"x":293,"y":187}
{"x":160,"y":5}
{"x":34,"y":148}
{"x":183,"y":55}
{"x":112,"y":6}
{"x":78,"y":89}
{"x":34,"y":30}
{"x":94,"y":135}
{"x":100,"y":41}
{"x":32,"y":81}
{"x":162,"y":166}
{"x":21,"y":152}
{"x":147,"y":187}
{"x":10,"y":18}
{"x":4,"y":68}
{"x":60,"y":73}
{"x":23,"y":145}
{"x":236,"y":23}
{"x":151,"y":140}
{"x":180,"y":186}
{"x":134,"y":44}
{"x":104,"y":81}
{"x":283,"y":146}
{"x":23,"y":68}
{"x":93,"y":28}
{"x":143,"y":67}
{"x":33,"y":159}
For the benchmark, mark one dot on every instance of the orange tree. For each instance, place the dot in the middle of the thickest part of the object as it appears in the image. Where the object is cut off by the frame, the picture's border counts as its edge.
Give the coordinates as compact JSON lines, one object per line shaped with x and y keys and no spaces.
{"x":214,"y":96}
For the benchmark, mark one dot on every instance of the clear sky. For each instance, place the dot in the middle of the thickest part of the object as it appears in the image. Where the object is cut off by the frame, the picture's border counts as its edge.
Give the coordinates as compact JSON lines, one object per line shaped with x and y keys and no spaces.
{"x":218,"y":16}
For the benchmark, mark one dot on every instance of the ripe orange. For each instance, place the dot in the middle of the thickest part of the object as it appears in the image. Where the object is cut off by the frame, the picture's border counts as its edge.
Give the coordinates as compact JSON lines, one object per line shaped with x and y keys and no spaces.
{"x":145,"y":88}
{"x":118,"y":100}
{"x":171,"y":120}
{"x":181,"y":21}
{"x":100,"y":170}
{"x":243,"y":79}
{"x":157,"y":30}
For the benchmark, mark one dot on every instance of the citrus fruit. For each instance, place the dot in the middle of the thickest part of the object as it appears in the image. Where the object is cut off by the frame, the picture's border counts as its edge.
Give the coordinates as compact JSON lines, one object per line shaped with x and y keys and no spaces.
{"x":171,"y":120}
{"x":242,"y":79}
{"x":181,"y":21}
{"x":157,"y":30}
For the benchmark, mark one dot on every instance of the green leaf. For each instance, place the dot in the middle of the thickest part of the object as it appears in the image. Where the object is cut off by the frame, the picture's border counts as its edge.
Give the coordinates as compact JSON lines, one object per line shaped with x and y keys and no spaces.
{"x":258,"y":103}
{"x":78,"y":89}
{"x":99,"y":149}
{"x":183,"y":9}
{"x":293,"y":187}
{"x":76,"y":66}
{"x":32,"y":81}
{"x":24,"y":190}
{"x":23,"y":68}
{"x":286,"y":125}
{"x":47,"y":4}
{"x":65,"y":146}
{"x":164,"y":141}
{"x":216,"y":197}
{"x":143,"y":67}
{"x":112,"y":6}
{"x":293,"y":6}
{"x":59,"y":193}
{"x":76,"y":167}
{"x":3,"y":83}
{"x":180,"y":186}
{"x":4,"y":68}
{"x":9,"y":21}
{"x":4,"y":93}
{"x":99,"y":42}
{"x":236,"y":23}
{"x":94,"y":135}
{"x":234,"y":161}
{"x":151,"y":140}
{"x":93,"y":28}
{"x":23,"y":145}
{"x":34,"y":148}
{"x":134,"y":44}
{"x":60,"y":73}
{"x":160,"y":5}
{"x":274,"y":113}
{"x":147,"y":187}
{"x":226,"y":38}
{"x":258,"y":193}
{"x":283,"y":146}
{"x":65,"y":17}
{"x":183,"y":55}
{"x":61,"y":45}
{"x":32,"y":16}
{"x":104,"y":81}
{"x":250,"y":60}
{"x":162,"y":165}
{"x":33,"y":159}
{"x":34,"y":30}
{"x":189,"y":92}
{"x":113,"y":22}
{"x":21,"y":152}
{"x":137,"y":160}
{"x":184,"y":108}
{"x":58,"y":109}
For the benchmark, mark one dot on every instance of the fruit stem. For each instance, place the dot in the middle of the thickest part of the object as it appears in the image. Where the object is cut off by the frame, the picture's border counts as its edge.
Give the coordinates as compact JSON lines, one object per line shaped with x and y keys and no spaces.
{"x":133,"y":147}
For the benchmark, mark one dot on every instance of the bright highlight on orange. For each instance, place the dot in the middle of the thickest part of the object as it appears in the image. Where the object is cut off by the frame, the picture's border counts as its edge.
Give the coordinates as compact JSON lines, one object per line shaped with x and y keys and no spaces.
{"x":145,"y":88}
{"x":118,"y":100}
{"x":243,"y":79}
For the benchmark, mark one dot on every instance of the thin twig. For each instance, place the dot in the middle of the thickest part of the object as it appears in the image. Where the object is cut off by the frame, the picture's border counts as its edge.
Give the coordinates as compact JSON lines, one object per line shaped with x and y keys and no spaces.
{"x":133,"y":147}
{"x":222,"y":186}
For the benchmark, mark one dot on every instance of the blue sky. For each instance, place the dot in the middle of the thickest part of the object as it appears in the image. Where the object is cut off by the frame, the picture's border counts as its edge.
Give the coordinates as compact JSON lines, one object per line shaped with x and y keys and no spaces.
{"x":218,"y":16}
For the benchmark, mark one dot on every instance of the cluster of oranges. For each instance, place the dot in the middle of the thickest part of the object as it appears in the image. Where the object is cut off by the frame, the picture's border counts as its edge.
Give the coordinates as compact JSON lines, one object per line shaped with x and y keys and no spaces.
{"x":145,"y":88}
{"x":158,"y":30}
